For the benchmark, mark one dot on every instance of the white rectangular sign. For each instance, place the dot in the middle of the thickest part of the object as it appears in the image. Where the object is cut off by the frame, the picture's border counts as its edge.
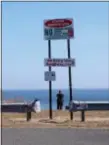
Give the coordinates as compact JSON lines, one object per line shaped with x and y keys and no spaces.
{"x":59,"y":62}
{"x":50,"y":76}
{"x":58,"y":29}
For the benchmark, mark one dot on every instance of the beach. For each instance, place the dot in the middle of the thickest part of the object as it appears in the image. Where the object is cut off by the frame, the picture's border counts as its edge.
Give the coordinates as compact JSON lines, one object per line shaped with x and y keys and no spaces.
{"x":93,"y":119}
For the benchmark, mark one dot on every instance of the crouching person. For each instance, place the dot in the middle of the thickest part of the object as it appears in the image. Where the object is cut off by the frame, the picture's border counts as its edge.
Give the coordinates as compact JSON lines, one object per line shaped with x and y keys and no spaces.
{"x":36,"y":107}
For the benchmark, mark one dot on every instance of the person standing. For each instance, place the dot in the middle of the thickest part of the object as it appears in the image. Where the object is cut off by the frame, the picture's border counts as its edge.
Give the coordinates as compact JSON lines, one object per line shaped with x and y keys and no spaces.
{"x":60,"y":100}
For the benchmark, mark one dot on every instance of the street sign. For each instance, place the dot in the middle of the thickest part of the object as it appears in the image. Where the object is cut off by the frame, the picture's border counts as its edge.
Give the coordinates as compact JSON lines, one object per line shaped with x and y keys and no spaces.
{"x":50,"y":76}
{"x":58,"y":29}
{"x":59,"y":62}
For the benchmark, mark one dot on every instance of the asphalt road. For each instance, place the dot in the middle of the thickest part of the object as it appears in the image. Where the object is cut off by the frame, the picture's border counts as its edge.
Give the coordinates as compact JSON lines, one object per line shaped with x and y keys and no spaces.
{"x":27,"y":136}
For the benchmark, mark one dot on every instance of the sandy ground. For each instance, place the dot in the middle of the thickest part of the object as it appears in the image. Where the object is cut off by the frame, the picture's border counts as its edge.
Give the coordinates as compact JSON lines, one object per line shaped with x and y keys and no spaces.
{"x":94,"y":119}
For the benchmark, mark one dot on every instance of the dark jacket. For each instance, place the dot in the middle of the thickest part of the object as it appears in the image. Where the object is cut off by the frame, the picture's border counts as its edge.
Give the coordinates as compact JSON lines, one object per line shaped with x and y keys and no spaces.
{"x":60,"y":97}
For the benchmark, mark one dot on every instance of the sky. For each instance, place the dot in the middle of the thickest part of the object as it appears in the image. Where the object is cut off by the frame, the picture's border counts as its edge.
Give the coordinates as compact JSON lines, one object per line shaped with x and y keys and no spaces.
{"x":24,"y":48}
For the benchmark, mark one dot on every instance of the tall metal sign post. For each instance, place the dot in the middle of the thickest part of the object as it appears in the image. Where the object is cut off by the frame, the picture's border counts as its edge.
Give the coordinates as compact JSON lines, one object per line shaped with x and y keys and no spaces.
{"x":70,"y":78}
{"x":50,"y":82}
{"x":56,"y":29}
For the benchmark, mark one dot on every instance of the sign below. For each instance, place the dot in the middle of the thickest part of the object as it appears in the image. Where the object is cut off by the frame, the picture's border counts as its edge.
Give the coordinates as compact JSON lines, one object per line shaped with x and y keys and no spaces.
{"x":59,"y":62}
{"x":50,"y":76}
{"x":58,"y":29}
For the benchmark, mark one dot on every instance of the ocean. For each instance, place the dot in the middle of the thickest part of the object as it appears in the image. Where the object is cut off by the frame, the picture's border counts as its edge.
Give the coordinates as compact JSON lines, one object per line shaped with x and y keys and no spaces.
{"x":43,"y":96}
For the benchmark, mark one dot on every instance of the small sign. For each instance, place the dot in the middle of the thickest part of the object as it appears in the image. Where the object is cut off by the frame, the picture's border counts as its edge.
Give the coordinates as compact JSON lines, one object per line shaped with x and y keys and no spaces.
{"x":58,"y":29}
{"x":50,"y":76}
{"x":59,"y":62}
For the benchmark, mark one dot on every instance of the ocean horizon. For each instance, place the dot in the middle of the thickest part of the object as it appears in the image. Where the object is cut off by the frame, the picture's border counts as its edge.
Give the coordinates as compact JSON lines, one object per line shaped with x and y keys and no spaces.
{"x":43,"y":95}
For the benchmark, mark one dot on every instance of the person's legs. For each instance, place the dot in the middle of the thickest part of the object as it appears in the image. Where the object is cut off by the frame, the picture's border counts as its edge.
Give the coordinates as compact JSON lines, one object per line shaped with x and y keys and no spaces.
{"x":61,"y":105}
{"x":57,"y":105}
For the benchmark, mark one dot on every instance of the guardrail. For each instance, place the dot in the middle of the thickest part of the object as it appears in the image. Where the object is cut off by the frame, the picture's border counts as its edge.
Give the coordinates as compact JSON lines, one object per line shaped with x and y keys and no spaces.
{"x":18,"y":108}
{"x":84,"y":110}
{"x":26,"y":108}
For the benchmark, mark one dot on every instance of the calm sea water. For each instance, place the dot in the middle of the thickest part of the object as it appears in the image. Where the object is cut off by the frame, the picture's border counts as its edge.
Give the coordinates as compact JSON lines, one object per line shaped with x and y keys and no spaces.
{"x":43,"y":95}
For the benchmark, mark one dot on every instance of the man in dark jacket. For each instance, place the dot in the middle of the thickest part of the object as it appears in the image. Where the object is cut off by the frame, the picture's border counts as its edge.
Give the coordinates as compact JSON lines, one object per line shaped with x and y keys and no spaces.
{"x":60,"y":100}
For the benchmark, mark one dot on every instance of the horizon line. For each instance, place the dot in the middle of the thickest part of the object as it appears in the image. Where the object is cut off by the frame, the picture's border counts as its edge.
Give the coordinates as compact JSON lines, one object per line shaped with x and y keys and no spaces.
{"x":55,"y":89}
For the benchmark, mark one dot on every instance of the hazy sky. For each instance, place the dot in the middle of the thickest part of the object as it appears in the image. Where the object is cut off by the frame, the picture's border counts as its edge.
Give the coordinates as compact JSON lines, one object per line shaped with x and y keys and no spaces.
{"x":24,"y":48}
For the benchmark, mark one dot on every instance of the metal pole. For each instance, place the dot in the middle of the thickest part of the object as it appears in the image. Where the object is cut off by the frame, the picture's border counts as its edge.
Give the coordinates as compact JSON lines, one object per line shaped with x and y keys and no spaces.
{"x":50,"y":83}
{"x":70,"y":78}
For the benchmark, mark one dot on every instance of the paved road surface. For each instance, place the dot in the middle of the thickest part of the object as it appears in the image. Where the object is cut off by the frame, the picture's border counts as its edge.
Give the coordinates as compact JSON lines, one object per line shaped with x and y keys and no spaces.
{"x":54,"y":136}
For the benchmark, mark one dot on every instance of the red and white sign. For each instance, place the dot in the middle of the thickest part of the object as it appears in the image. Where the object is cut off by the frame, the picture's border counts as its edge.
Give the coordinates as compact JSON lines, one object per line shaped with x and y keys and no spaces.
{"x":58,"y":23}
{"x":59,"y":62}
{"x":58,"y":29}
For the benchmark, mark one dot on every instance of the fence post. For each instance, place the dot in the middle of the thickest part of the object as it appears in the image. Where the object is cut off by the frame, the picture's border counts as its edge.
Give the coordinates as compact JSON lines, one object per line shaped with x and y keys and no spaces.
{"x":82,"y":116}
{"x":28,"y":113}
